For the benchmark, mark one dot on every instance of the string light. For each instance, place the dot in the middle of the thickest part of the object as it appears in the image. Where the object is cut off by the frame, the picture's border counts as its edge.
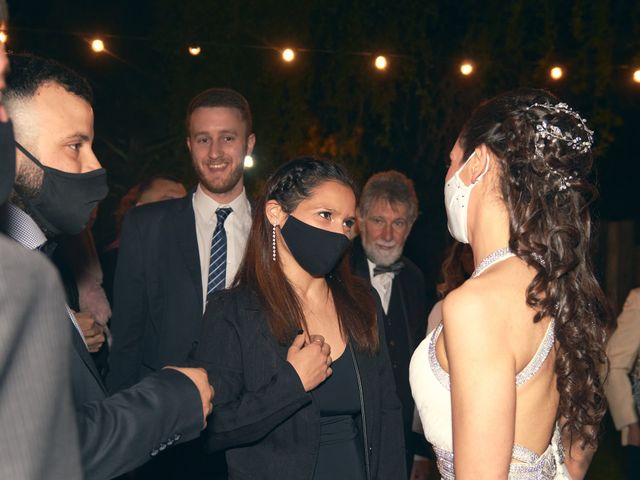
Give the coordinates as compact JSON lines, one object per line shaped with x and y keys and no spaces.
{"x":288,"y":55}
{"x":248,"y":161}
{"x":3,"y":37}
{"x":466,"y":68}
{"x":556,"y":73}
{"x":97,"y":45}
{"x":381,"y":62}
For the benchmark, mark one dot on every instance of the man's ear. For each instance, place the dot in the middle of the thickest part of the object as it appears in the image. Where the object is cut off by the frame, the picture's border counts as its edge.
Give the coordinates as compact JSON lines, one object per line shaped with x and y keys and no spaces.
{"x":189,"y":144}
{"x":251,"y":142}
{"x":274,"y":213}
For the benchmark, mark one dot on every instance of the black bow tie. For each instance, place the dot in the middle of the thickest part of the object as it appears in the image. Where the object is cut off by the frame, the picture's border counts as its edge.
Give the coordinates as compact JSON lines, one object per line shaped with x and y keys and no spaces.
{"x":393,"y":268}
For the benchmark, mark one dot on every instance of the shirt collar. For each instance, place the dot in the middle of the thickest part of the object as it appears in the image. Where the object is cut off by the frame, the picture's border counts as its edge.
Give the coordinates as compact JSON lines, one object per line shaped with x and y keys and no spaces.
{"x":18,"y":225}
{"x":207,"y":206}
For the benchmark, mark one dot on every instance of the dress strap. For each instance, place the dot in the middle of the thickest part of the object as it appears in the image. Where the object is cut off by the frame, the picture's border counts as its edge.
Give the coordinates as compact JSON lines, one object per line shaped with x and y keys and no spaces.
{"x":538,"y":359}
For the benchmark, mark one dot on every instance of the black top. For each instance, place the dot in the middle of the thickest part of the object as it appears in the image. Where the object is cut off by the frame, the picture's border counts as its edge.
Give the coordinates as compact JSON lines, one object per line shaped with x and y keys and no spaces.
{"x":338,"y":399}
{"x":263,"y":417}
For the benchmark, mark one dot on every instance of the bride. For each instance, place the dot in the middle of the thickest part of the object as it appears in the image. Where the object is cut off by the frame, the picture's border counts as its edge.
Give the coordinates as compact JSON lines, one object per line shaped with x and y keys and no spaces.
{"x":509,"y":380}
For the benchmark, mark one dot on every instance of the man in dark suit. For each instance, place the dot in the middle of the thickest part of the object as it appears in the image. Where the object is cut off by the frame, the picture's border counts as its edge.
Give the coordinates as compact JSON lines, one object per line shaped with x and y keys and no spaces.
{"x":35,"y":384}
{"x":174,"y":254}
{"x":58,"y":182}
{"x":388,"y":208}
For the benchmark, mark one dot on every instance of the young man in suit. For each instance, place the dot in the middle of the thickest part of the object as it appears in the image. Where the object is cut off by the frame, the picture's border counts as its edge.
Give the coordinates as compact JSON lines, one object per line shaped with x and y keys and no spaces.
{"x":175,"y":254}
{"x":58,"y":182}
{"x":387,"y":210}
{"x":35,"y":402}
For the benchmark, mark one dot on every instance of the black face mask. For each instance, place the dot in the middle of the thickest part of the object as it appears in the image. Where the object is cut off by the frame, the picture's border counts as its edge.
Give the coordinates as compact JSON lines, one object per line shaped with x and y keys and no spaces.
{"x":65,"y":200}
{"x":316,"y":250}
{"x":7,"y":160}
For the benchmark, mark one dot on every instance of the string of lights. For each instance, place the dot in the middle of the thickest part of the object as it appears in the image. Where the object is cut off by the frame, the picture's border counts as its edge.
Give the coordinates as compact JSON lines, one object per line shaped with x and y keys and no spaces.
{"x":289,"y":55}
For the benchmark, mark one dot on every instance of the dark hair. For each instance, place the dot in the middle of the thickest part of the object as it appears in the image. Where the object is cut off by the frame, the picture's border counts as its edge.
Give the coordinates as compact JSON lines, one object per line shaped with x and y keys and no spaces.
{"x":29,"y":72}
{"x":454,"y":270}
{"x":544,"y":185}
{"x":221,"y":97}
{"x":130,"y":199}
{"x":289,"y":185}
{"x":392,"y":186}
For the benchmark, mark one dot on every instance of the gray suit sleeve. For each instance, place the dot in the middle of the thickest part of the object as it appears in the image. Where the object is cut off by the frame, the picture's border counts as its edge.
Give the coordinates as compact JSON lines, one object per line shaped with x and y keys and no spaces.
{"x":38,"y":436}
{"x":127,"y":429}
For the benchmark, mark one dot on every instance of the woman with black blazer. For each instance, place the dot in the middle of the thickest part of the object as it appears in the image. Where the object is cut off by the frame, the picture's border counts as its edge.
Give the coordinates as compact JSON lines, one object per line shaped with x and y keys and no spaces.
{"x":302,"y":379}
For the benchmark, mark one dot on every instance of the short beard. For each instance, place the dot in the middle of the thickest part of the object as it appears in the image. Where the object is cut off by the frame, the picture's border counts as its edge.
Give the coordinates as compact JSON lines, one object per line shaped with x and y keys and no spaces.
{"x":28,"y":184}
{"x":225,"y":187}
{"x":382,"y":259}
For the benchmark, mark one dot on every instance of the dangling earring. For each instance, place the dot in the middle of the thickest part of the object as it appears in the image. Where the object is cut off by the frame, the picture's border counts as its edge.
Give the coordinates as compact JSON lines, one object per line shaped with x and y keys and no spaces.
{"x":273,"y":242}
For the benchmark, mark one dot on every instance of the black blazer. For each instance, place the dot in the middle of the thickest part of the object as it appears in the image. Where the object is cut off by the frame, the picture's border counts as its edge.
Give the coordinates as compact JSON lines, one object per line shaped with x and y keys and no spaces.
{"x":118,"y":433}
{"x":262,"y":413}
{"x":407,"y":316}
{"x":157,"y":291}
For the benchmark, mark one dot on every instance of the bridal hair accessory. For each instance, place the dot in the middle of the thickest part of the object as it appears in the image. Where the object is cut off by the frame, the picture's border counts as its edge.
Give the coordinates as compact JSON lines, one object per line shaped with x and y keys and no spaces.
{"x":545,"y":132}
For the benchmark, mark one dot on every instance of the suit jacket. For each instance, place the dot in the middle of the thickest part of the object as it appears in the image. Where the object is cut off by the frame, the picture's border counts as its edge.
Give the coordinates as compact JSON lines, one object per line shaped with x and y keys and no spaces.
{"x":38,"y":435}
{"x":157,"y":314}
{"x":405,"y":326}
{"x":157,"y":291}
{"x":120,"y":432}
{"x":623,"y":351}
{"x":263,"y":415}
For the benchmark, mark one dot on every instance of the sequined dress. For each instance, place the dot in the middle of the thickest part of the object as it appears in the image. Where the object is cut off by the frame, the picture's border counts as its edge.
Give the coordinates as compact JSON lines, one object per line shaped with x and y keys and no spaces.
{"x":431,"y":392}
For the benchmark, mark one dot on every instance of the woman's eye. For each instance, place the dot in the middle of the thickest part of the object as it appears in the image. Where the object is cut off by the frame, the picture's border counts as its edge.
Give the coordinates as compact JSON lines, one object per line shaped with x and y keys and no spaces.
{"x":349,"y":223}
{"x":325,"y":215}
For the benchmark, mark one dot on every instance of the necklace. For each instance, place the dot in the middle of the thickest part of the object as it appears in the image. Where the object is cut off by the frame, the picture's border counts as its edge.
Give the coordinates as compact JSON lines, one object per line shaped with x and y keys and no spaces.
{"x":494,"y":257}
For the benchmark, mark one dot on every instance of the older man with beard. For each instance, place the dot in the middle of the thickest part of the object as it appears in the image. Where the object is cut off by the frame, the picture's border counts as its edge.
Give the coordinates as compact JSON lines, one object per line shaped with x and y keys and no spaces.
{"x":175,"y":254}
{"x":388,"y":208}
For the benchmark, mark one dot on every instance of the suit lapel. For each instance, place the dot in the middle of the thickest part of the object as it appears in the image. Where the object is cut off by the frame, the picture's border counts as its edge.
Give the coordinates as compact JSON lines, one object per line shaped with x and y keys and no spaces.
{"x":185,"y":228}
{"x":81,"y":348}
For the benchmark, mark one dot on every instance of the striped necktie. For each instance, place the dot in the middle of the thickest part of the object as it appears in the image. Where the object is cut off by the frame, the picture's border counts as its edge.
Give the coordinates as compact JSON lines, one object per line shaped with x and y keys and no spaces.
{"x":218,"y":256}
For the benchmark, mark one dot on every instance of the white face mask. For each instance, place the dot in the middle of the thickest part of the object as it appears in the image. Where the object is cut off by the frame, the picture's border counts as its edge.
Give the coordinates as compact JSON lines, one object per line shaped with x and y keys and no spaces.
{"x":456,"y":202}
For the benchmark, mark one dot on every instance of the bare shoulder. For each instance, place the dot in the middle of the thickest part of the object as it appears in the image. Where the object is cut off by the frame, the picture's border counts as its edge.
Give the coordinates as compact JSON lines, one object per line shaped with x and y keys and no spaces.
{"x":470,"y":307}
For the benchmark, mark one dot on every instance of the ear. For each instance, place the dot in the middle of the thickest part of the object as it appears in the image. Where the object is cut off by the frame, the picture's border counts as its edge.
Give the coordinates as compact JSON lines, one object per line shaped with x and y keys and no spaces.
{"x":481,"y":162}
{"x":274,"y":212}
{"x":189,"y":144}
{"x":251,"y":142}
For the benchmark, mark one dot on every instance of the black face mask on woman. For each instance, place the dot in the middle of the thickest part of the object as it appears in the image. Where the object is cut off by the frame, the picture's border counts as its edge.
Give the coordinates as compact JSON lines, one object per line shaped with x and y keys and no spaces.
{"x":65,"y":200}
{"x":316,"y":250}
{"x":7,"y":160}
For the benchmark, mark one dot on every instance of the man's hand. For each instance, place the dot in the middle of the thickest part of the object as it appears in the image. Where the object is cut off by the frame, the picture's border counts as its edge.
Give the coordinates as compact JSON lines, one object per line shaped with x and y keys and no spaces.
{"x":311,"y":362}
{"x":633,"y":436}
{"x":200,"y":378}
{"x":93,"y":331}
{"x":420,"y":470}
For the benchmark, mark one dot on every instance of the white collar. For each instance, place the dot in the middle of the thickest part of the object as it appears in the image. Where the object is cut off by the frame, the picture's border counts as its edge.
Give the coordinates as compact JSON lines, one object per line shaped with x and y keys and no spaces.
{"x":207,"y":206}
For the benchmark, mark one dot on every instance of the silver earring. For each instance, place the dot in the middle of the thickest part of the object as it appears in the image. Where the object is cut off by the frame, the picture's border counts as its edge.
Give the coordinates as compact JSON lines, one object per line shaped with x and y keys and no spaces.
{"x":273,"y":242}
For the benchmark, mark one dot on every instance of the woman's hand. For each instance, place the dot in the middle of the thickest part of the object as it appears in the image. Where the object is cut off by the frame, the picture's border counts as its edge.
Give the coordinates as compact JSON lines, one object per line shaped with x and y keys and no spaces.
{"x":312,"y":362}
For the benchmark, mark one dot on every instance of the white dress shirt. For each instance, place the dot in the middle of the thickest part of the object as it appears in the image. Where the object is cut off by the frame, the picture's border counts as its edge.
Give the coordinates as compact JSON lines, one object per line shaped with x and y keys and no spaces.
{"x":237,"y":226}
{"x":382,"y":283}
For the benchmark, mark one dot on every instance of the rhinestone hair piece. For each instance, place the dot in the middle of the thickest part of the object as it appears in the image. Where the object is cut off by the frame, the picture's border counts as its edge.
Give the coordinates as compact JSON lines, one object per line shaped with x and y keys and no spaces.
{"x":545,"y":132}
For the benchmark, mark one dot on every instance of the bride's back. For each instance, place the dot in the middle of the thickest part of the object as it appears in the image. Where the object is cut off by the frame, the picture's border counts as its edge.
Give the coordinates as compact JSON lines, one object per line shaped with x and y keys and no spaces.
{"x":498,"y":297}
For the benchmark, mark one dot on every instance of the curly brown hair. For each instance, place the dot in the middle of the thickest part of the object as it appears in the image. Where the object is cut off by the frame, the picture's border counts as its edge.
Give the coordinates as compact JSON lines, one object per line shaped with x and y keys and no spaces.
{"x":547,"y":193}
